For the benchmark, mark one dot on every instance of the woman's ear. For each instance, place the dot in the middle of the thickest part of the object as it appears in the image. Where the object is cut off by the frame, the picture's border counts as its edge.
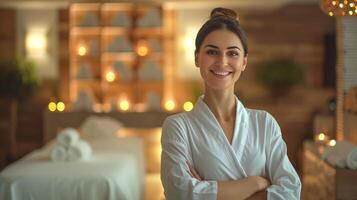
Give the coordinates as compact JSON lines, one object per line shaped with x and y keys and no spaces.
{"x":245,"y":62}
{"x":196,"y":59}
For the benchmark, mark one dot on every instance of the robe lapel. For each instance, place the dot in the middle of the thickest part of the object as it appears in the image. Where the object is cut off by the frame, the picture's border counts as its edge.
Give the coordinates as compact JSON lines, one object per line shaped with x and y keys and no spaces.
{"x":240,"y":133}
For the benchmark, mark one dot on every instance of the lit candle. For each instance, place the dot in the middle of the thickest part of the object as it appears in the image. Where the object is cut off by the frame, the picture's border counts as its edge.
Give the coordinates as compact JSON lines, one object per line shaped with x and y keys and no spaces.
{"x":52,"y":106}
{"x":124,"y":105}
{"x":110,"y":76}
{"x":321,"y":138}
{"x":60,"y":106}
{"x":332,"y":143}
{"x":170,"y":105}
{"x":187,"y":106}
{"x":142,"y":49}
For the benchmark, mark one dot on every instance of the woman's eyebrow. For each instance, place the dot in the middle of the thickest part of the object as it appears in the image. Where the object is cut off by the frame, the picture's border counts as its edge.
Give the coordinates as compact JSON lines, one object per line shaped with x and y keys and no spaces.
{"x":212,"y":46}
{"x":233,"y":47}
{"x":216,"y":47}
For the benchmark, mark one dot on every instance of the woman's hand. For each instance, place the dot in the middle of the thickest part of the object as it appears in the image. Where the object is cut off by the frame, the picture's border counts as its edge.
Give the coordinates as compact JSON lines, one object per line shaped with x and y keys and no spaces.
{"x":261,"y":182}
{"x":193,"y":172}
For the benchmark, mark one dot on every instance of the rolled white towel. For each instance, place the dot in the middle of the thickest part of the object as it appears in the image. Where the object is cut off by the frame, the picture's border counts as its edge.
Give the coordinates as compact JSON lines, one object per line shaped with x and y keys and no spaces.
{"x":95,"y":127}
{"x":67,"y":137}
{"x":343,"y":154}
{"x":352,"y":158}
{"x":79,"y":151}
{"x":59,"y":153}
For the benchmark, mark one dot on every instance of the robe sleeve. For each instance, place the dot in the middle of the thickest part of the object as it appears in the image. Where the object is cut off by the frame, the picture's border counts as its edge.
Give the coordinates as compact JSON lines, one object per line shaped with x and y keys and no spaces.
{"x":175,"y":176}
{"x":284,"y":179}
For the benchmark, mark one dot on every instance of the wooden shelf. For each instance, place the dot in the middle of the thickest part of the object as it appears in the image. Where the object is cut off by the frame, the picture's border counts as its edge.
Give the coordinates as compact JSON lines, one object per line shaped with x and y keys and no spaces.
{"x":115,"y":30}
{"x":155,"y":31}
{"x":78,"y":30}
{"x":118,"y":56}
{"x":103,"y":35}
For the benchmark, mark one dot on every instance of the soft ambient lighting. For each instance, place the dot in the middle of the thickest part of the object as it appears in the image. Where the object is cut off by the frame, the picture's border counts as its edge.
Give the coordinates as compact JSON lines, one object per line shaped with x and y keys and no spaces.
{"x":110,"y":76}
{"x":339,"y":7}
{"x":170,"y":105}
{"x":124,"y":105}
{"x":52,"y":106}
{"x":321,"y":137}
{"x":187,"y":106}
{"x":60,"y":106}
{"x":36,"y":42}
{"x":142,"y":49}
{"x":332,"y":143}
{"x":82,"y":50}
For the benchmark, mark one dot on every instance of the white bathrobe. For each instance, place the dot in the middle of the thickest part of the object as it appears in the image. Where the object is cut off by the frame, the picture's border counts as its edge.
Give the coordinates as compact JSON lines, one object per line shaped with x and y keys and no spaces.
{"x":257,"y":149}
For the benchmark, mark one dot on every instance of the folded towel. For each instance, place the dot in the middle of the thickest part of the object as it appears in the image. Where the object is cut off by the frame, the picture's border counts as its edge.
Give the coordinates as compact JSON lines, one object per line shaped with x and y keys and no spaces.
{"x":79,"y":151}
{"x":95,"y":127}
{"x":59,"y":153}
{"x":343,"y":154}
{"x":67,"y":137}
{"x":352,"y":158}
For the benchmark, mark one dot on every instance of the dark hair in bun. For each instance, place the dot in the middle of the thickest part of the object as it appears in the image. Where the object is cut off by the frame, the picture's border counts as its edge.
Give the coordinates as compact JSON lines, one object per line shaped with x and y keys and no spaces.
{"x":223,"y":12}
{"x":222,"y":18}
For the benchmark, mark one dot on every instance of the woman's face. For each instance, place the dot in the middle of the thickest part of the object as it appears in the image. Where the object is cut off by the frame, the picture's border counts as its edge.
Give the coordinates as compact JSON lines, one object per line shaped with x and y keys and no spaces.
{"x":221,"y":59}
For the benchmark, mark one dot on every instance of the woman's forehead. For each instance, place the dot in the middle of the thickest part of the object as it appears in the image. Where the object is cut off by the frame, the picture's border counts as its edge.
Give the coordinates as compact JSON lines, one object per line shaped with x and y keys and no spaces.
{"x":222,"y":38}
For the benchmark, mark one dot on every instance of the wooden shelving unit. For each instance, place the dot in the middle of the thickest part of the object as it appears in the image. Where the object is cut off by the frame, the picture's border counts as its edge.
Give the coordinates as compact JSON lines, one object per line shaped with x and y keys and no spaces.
{"x":113,"y":43}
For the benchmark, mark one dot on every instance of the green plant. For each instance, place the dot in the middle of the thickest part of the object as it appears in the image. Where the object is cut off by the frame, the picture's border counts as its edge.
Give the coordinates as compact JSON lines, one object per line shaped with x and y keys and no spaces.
{"x":279,"y":75}
{"x":18,"y":78}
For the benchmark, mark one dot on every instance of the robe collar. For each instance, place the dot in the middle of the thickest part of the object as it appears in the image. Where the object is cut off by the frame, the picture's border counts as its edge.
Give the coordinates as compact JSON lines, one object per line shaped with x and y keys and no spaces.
{"x":202,"y":110}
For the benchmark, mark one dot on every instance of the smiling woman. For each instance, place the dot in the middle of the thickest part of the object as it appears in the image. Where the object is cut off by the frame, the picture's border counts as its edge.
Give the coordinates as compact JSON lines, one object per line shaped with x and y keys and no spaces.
{"x":220,"y":149}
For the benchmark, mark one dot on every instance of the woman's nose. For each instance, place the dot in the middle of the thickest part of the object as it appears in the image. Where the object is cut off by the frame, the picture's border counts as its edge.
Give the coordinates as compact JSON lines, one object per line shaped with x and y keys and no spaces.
{"x":222,"y":60}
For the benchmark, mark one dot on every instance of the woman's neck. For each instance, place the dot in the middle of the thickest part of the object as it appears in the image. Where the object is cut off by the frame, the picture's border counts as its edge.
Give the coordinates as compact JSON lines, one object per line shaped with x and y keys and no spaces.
{"x":221,"y":103}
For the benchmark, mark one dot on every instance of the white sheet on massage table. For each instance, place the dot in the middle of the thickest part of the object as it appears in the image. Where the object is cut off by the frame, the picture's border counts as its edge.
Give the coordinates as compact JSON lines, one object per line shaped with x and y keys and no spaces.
{"x":115,"y":171}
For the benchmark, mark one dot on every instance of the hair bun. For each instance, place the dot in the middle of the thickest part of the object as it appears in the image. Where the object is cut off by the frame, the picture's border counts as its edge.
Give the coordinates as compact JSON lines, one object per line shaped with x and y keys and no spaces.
{"x":224,"y":12}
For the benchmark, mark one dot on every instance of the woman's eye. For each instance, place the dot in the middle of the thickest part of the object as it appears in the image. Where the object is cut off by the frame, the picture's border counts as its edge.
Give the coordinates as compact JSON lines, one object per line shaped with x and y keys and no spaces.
{"x":232,"y":53}
{"x":212,"y":52}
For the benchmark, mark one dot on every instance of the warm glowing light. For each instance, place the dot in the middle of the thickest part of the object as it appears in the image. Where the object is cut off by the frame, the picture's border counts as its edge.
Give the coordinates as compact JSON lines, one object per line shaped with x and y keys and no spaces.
{"x":187,"y":106}
{"x":124,"y":105}
{"x":52,"y":106}
{"x":82,"y":50}
{"x":142,"y":49}
{"x":321,"y":136}
{"x":170,"y":105}
{"x":188,"y":42}
{"x":356,"y":10}
{"x":60,"y":106}
{"x":332,"y":143}
{"x":36,"y":43}
{"x":110,"y":76}
{"x":339,"y":7}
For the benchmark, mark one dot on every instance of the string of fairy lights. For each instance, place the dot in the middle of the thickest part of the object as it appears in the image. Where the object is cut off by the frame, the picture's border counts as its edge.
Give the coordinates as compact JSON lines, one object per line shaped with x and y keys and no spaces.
{"x":339,"y":8}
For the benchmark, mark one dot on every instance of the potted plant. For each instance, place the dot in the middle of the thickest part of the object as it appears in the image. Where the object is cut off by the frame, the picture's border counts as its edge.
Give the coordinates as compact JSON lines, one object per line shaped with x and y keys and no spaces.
{"x":18,"y":81}
{"x":279,"y":75}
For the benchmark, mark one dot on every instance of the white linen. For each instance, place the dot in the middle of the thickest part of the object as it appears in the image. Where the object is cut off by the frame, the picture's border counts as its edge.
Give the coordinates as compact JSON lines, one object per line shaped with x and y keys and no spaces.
{"x":80,"y":151}
{"x":257,"y":149}
{"x":59,"y":153}
{"x":99,"y":127}
{"x":115,"y":171}
{"x":343,"y":154}
{"x":67,"y":137}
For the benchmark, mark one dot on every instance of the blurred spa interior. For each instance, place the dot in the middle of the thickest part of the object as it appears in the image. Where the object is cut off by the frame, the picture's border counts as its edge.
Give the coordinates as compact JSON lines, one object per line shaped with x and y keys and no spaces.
{"x":101,"y":76}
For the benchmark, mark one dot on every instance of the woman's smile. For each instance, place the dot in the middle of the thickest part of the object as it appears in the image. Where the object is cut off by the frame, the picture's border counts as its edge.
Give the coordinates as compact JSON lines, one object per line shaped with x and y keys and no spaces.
{"x":220,"y":74}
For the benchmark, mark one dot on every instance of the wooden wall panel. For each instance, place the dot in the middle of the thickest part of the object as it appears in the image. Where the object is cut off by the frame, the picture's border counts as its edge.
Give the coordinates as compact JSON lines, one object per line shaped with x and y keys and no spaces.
{"x":7,"y":33}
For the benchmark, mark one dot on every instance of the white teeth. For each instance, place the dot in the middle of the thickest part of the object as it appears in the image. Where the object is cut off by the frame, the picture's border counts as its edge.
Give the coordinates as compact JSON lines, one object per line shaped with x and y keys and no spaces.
{"x":221,"y":73}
